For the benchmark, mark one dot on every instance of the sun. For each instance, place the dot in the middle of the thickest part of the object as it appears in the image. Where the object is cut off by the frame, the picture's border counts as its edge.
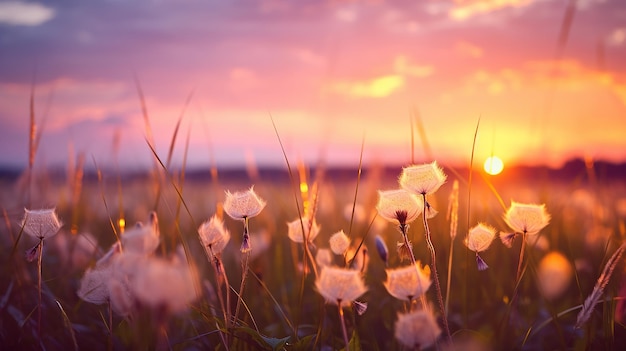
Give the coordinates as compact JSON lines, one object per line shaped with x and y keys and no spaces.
{"x":493,"y":165}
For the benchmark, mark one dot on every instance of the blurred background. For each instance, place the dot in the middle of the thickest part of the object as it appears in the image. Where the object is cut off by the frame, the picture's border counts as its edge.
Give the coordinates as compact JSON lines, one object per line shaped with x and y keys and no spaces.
{"x":545,"y":77}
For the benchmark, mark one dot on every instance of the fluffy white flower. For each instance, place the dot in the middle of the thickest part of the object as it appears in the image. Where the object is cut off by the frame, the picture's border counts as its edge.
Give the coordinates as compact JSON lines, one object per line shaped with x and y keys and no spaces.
{"x":243,"y":204}
{"x":422,"y":179}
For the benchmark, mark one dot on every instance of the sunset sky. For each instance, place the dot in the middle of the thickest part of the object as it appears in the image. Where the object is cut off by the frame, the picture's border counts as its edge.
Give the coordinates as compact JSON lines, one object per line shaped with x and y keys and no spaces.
{"x":331,"y":73}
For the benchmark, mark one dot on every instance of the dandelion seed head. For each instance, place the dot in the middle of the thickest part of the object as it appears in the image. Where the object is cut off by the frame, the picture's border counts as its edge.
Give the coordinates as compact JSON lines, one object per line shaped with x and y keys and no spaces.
{"x":340,"y":285}
{"x":41,"y":224}
{"x":323,"y":257}
{"x":424,"y":179}
{"x":142,"y":239}
{"x":417,"y":329}
{"x":480,"y":237}
{"x":94,"y":286}
{"x":294,"y":229}
{"x":213,"y":235}
{"x":406,"y":283}
{"x":554,"y":275}
{"x":339,"y":243}
{"x":398,"y":206}
{"x":160,"y":283}
{"x":243,"y":204}
{"x":527,"y":218}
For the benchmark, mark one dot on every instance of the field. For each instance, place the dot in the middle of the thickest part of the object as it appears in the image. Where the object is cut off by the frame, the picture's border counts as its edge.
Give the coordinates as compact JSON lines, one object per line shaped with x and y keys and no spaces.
{"x":282,"y":307}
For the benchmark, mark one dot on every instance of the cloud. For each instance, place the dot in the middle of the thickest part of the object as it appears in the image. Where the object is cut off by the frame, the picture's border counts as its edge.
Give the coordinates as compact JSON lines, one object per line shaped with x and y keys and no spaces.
{"x":374,"y":88}
{"x":617,"y":37}
{"x":469,"y":50}
{"x":18,"y":13}
{"x":467,"y":9}
{"x":402,"y":65}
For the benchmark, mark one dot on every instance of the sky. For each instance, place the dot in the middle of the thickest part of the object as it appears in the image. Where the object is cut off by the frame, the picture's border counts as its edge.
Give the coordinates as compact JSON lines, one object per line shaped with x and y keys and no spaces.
{"x":332,"y":77}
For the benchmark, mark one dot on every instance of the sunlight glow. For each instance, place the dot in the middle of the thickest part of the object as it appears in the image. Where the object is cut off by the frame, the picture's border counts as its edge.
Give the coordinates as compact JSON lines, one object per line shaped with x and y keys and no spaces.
{"x":493,"y":165}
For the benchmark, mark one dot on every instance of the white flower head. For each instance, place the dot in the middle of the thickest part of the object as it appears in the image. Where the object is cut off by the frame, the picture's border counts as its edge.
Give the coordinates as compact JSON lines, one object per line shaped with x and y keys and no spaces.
{"x":417,"y":329}
{"x":399,"y":206}
{"x":241,"y":205}
{"x":214,"y":236}
{"x":94,"y":286}
{"x":422,"y":179}
{"x":41,"y":224}
{"x":294,"y":230}
{"x":340,"y":286}
{"x":409,"y":282}
{"x":527,"y":218}
{"x":339,"y":242}
{"x":142,"y":239}
{"x":480,"y":237}
{"x":323,"y":258}
{"x":163,"y":284}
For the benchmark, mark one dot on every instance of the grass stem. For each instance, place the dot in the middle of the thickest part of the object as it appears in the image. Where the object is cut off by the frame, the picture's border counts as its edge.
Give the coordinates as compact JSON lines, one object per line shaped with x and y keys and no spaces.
{"x":433,"y":259}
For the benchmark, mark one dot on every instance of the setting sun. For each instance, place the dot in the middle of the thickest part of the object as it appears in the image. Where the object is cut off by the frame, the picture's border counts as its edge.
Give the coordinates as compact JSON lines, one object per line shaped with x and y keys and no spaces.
{"x":493,"y":165}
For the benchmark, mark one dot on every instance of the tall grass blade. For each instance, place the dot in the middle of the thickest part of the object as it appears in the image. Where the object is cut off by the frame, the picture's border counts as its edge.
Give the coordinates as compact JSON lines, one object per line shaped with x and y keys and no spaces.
{"x":68,"y":325}
{"x":356,"y":190}
{"x":598,"y":290}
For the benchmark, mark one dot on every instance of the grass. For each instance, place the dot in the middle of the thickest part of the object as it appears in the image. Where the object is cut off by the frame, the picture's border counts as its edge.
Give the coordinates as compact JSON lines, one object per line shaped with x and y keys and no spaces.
{"x":272,"y":298}
{"x":281,"y":308}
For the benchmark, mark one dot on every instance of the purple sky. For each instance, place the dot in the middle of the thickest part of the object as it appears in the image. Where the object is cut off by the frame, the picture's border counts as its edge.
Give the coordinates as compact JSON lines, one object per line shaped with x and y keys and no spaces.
{"x":330,"y":73}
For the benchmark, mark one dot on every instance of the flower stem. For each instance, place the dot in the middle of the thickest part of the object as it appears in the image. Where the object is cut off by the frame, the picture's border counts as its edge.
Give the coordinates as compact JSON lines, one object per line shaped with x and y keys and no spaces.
{"x":343,"y":325}
{"x":521,"y":258}
{"x":244,"y":270}
{"x":403,"y":230}
{"x":431,"y":248}
{"x":39,"y":272}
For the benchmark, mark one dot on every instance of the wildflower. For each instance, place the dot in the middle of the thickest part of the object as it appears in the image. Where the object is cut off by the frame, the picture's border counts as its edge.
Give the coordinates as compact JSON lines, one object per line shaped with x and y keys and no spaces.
{"x":243,"y":204}
{"x":339,"y":242}
{"x":124,"y":268}
{"x":41,"y":224}
{"x":554,"y":275}
{"x":422,"y":179}
{"x":399,"y":205}
{"x":94,"y":285}
{"x":163,"y":284}
{"x":409,"y":282}
{"x":214,"y":236}
{"x":142,"y":239}
{"x":382,"y":250}
{"x":311,"y":230}
{"x":323,"y":257}
{"x":526,"y":218}
{"x":340,"y":286}
{"x":417,"y":329}
{"x":478,"y":239}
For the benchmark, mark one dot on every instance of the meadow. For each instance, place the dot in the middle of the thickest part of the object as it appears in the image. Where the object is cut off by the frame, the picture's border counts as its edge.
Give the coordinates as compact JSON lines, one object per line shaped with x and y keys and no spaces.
{"x":180,"y":295}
